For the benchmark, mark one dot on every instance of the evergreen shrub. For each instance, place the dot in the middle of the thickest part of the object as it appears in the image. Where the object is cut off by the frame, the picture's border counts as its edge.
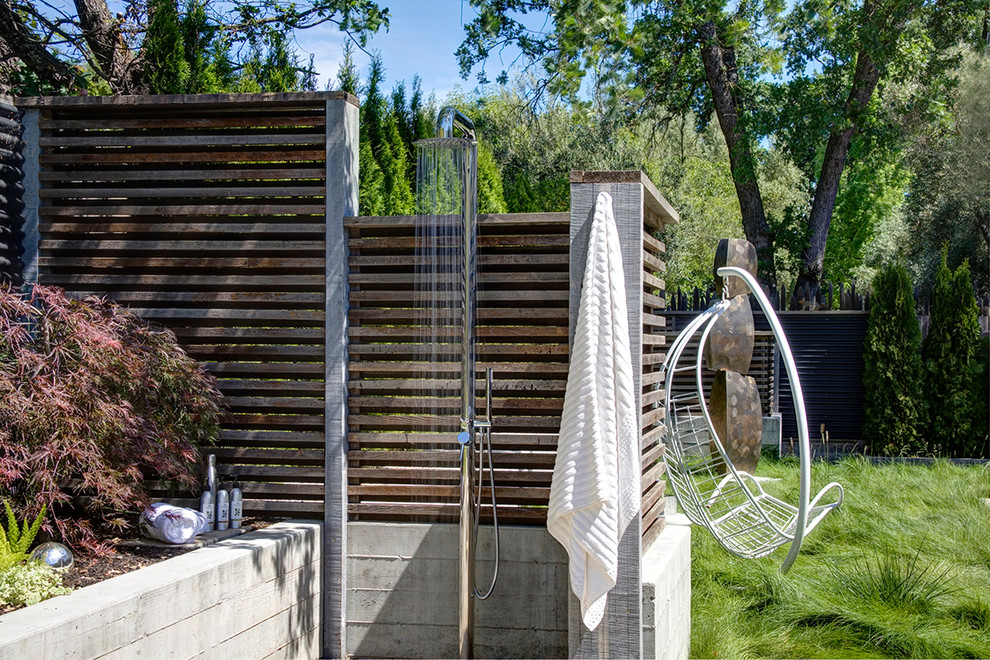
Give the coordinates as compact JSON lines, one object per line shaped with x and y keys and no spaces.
{"x":92,"y":401}
{"x":893,"y":405}
{"x":950,"y":361}
{"x":980,"y":383}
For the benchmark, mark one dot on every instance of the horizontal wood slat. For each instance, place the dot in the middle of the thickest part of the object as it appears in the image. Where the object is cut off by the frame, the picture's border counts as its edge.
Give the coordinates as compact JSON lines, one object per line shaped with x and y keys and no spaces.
{"x":651,"y":419}
{"x":209,"y":219}
{"x":403,"y":462}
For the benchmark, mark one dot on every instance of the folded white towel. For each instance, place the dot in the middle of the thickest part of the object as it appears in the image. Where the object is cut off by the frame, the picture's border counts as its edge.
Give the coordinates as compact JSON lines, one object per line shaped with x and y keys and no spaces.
{"x":595,"y":490}
{"x":172,"y":524}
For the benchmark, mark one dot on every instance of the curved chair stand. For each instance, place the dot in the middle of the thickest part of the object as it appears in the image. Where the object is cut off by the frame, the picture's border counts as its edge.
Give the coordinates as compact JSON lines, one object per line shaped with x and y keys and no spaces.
{"x":731,"y":503}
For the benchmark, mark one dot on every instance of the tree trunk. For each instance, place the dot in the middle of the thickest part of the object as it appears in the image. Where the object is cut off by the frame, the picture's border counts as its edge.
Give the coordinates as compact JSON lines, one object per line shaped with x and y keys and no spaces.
{"x":813,"y":257}
{"x":722,"y":77}
{"x":17,"y":40}
{"x":117,"y":63}
{"x":982,"y":219}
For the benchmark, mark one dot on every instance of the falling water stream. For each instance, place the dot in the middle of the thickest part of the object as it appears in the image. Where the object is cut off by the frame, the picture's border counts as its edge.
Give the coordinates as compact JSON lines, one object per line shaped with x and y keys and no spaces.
{"x":445,"y":288}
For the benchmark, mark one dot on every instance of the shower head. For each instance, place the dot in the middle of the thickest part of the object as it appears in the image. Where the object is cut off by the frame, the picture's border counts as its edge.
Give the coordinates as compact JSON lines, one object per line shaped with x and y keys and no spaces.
{"x":451,"y":118}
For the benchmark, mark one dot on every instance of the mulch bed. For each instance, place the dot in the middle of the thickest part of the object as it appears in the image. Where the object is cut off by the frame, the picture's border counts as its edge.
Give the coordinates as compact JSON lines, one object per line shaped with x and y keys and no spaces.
{"x":90,"y":570}
{"x":87,"y":570}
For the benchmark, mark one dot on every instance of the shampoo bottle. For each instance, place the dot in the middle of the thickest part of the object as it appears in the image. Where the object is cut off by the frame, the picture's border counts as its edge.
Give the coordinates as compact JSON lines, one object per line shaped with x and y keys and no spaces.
{"x":223,"y":509}
{"x":206,"y":508}
{"x":236,"y":506}
{"x":207,"y":501}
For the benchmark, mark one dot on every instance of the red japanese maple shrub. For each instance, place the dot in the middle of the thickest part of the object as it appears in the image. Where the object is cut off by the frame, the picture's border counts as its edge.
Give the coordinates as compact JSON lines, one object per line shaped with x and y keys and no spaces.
{"x":93,"y":401}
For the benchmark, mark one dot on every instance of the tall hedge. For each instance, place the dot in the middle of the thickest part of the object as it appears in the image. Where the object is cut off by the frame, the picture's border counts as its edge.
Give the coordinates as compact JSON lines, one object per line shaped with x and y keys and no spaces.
{"x":981,"y":394}
{"x":951,"y":363}
{"x":893,"y":405}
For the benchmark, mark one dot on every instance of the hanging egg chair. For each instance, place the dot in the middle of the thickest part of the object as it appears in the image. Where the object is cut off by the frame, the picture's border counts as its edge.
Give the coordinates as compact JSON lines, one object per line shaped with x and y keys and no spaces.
{"x":711,"y":490}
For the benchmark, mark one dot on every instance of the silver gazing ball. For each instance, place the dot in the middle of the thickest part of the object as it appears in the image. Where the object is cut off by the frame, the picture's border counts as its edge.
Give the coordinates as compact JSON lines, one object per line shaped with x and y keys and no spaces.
{"x":54,"y":554}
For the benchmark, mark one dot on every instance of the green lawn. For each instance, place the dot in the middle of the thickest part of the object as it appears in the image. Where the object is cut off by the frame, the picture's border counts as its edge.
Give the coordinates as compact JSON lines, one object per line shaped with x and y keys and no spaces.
{"x":901,"y":570}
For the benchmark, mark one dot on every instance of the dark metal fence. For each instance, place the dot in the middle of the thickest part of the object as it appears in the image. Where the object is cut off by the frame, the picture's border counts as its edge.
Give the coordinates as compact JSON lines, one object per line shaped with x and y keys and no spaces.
{"x":11,"y":194}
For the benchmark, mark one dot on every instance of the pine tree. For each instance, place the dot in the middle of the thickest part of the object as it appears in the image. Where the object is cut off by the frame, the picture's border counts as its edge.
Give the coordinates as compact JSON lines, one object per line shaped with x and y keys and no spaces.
{"x":949,"y":354}
{"x":893,"y":406}
{"x":166,"y":70}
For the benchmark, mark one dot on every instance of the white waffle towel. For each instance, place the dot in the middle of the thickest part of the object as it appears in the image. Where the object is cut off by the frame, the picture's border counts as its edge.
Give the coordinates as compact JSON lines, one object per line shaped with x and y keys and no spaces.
{"x":595,"y":490}
{"x":172,"y":524}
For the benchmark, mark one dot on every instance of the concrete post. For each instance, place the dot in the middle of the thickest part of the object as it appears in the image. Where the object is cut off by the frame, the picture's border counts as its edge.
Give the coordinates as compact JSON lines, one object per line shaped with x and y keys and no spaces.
{"x":620,"y":634}
{"x":341,"y":201}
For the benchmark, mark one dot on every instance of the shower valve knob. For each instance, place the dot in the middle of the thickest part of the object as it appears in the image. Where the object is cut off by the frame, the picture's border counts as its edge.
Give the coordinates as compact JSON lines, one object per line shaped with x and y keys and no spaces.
{"x":464,"y":437}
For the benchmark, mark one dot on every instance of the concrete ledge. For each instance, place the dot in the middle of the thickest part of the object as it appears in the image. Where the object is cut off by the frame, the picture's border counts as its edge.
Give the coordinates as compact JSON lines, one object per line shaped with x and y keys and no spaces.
{"x":667,"y":593}
{"x":253,"y":596}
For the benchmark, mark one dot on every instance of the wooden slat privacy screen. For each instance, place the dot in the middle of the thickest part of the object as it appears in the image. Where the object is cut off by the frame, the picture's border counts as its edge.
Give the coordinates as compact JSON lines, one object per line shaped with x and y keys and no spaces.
{"x":654,"y":352}
{"x":207,"y":215}
{"x":400,"y":469}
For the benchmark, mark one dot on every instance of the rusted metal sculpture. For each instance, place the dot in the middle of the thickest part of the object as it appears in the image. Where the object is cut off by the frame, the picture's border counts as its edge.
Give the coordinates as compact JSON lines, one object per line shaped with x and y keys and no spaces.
{"x":735,"y":400}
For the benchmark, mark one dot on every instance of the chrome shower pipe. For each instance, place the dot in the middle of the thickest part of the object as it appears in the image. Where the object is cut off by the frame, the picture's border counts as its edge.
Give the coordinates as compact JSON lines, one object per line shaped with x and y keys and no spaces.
{"x":448,"y":120}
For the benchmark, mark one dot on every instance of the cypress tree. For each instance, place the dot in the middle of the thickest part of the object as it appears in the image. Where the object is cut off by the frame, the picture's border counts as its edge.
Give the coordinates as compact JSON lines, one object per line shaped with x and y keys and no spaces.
{"x":893,"y":407}
{"x":393,"y":158}
{"x":402,"y":115}
{"x":198,"y":36}
{"x":222,"y":63}
{"x":519,"y":195}
{"x":308,"y":81}
{"x":490,"y":195}
{"x":949,"y":354}
{"x":371,"y":182}
{"x":423,"y":124}
{"x":166,"y":69}
{"x":980,"y":382}
{"x":373,"y":108}
{"x":348,"y":79}
{"x":280,"y":70}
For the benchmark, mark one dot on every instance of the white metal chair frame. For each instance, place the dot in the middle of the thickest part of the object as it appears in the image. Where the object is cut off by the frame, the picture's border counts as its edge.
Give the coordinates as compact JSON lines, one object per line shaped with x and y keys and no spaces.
{"x":731,"y":503}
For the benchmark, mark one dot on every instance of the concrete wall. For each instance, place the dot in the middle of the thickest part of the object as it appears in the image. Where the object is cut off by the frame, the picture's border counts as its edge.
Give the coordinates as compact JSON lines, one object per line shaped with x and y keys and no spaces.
{"x":253,"y":596}
{"x":402,"y":602}
{"x":667,"y":593}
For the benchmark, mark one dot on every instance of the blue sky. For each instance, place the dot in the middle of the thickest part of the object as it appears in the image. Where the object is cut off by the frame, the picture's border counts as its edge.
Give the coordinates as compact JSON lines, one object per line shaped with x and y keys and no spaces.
{"x":422,"y":38}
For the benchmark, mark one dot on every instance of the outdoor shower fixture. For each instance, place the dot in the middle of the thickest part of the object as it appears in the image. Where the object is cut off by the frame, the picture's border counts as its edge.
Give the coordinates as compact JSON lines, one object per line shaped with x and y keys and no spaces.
{"x":447,"y":191}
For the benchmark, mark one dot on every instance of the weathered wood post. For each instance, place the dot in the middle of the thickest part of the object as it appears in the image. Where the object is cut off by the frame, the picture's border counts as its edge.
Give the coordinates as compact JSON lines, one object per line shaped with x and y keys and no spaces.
{"x":341,"y":202}
{"x":637,"y":205}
